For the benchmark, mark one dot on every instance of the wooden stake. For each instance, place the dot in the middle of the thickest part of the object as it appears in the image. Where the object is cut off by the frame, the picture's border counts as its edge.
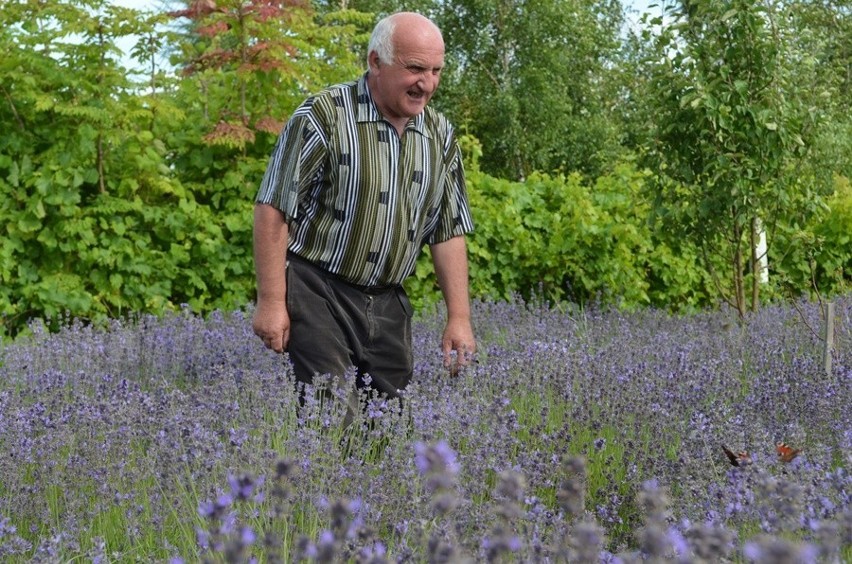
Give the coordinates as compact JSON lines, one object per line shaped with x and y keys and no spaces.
{"x":828,"y":338}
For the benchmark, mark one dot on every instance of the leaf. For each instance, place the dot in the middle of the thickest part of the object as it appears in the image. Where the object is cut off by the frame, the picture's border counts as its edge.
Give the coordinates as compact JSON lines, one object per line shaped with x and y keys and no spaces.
{"x":38,"y":209}
{"x":43,"y":102}
{"x":29,"y":223}
{"x":14,"y":176}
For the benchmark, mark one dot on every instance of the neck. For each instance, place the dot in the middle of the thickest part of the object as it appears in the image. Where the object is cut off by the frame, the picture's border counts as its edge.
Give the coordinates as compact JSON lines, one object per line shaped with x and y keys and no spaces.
{"x":398,"y":124}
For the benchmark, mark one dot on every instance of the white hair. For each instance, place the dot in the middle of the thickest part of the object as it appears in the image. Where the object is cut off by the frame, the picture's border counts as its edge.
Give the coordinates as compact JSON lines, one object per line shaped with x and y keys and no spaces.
{"x":381,"y":41}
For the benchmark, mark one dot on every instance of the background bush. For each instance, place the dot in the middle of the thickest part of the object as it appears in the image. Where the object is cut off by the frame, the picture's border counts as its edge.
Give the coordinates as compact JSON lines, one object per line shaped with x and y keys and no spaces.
{"x":130,"y":190}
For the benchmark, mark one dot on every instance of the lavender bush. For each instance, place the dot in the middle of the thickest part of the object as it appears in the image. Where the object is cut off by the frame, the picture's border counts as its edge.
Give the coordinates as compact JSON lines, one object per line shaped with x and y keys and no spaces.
{"x":579,"y":436}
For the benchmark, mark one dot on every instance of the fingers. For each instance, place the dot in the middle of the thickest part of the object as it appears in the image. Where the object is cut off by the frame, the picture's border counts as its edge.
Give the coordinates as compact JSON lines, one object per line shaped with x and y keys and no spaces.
{"x":464,"y":354}
{"x":277,"y":343}
{"x":461,"y":355}
{"x":457,"y":356}
{"x":273,"y":344}
{"x":272,"y":339}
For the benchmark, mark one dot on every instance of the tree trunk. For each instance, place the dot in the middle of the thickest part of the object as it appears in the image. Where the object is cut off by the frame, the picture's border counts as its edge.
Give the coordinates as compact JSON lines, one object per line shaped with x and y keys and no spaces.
{"x":755,"y":264}
{"x":737,"y":267}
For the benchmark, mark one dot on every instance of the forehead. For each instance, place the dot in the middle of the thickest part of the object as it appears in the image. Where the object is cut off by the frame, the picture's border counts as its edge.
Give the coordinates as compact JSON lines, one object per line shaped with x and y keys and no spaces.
{"x":422,"y":44}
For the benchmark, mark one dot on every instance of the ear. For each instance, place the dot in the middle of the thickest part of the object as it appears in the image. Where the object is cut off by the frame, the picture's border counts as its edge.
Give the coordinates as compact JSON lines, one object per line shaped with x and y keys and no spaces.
{"x":374,"y":61}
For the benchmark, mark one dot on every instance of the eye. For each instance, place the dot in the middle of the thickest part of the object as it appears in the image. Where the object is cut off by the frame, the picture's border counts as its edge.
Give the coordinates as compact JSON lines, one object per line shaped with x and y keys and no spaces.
{"x":417,"y":69}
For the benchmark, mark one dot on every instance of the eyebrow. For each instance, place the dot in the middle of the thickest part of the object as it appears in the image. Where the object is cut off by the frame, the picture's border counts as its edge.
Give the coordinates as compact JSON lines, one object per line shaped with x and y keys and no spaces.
{"x":417,"y":67}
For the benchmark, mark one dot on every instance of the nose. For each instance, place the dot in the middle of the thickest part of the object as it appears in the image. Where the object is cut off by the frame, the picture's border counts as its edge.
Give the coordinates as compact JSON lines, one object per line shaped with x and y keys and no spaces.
{"x":428,"y":80}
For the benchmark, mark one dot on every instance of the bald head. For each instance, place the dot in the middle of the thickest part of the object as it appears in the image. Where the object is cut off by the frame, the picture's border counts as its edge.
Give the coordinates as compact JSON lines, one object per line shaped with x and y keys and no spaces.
{"x":411,"y":25}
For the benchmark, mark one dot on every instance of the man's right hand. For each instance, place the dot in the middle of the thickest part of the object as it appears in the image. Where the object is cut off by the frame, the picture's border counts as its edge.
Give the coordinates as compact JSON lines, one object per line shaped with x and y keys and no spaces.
{"x":271,"y":323}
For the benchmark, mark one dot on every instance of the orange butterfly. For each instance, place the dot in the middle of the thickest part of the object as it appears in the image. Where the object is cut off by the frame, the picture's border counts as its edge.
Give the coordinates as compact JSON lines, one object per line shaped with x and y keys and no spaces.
{"x":786,"y":453}
{"x":741,"y":458}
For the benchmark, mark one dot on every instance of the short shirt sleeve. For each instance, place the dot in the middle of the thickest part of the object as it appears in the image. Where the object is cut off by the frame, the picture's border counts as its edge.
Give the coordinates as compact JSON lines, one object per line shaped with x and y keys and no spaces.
{"x":292,"y":166}
{"x":454,"y":215}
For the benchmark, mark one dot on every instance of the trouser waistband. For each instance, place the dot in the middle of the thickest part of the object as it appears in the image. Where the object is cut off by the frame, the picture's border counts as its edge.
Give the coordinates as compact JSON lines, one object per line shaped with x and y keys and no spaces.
{"x":369,"y":290}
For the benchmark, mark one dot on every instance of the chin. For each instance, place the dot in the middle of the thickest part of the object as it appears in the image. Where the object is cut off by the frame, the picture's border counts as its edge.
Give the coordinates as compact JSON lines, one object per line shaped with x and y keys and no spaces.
{"x":415,"y":109}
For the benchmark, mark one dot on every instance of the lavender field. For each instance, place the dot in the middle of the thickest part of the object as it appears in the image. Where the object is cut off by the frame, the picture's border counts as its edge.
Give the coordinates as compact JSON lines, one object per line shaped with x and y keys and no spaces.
{"x":579,"y":436}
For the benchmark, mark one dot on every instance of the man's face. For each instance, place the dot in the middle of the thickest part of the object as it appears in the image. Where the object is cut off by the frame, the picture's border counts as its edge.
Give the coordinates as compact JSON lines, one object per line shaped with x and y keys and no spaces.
{"x":402,"y":88}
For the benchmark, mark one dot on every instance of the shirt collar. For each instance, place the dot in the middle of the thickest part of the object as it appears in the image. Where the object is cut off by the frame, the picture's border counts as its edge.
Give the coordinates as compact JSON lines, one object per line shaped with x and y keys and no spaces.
{"x":368,"y":112}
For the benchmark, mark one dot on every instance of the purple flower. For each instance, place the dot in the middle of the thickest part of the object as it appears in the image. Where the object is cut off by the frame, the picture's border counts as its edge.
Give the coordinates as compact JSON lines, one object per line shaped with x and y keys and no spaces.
{"x":768,"y":549}
{"x":438,"y":457}
{"x":247,"y":536}
{"x":243,"y":486}
{"x":93,"y":415}
{"x":207,"y":509}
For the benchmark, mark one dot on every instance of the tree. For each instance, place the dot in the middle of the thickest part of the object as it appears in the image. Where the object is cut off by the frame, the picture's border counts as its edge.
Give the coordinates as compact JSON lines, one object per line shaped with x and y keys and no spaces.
{"x":730,"y":128}
{"x":79,"y":170}
{"x":249,"y":63}
{"x":530,"y":80}
{"x":814,"y":257}
{"x":821,"y":31}
{"x":245,"y":66}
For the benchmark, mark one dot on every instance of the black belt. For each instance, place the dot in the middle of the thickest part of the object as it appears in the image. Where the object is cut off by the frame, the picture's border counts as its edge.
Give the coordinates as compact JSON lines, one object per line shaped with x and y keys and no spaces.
{"x":377,"y":290}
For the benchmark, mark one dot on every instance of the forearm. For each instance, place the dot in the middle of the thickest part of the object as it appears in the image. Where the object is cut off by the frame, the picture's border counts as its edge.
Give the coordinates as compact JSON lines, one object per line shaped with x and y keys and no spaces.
{"x":270,"y":253}
{"x":451,"y":269}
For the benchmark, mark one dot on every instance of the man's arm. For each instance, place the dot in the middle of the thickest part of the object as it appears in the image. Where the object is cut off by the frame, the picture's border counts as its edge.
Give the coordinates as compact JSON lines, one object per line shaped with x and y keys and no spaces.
{"x":450,"y":260}
{"x":271,"y":321}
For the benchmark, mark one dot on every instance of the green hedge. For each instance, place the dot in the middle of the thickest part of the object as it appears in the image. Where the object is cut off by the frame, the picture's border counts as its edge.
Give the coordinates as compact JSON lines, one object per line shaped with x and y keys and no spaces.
{"x":152,"y":244}
{"x":817,"y":257}
{"x":563,"y":238}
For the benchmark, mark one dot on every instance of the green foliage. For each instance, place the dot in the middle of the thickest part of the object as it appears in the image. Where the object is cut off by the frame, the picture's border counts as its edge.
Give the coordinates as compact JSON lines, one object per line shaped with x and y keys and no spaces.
{"x":731,"y":126}
{"x":130,"y":190}
{"x":77,"y":171}
{"x":529,"y":80}
{"x":249,"y":64}
{"x":121,"y":198}
{"x":817,"y":258}
{"x":560,"y":238}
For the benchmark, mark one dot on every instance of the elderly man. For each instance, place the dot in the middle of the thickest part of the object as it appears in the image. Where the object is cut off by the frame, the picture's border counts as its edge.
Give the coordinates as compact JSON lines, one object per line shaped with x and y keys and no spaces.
{"x":363,"y":176}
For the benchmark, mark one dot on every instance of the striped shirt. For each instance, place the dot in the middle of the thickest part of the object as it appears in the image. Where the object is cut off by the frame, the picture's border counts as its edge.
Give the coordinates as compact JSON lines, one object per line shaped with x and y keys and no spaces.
{"x":360,"y":201}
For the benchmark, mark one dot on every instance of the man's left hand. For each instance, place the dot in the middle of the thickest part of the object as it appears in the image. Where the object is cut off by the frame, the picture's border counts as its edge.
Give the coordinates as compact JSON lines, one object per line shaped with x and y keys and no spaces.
{"x":458,"y":346}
